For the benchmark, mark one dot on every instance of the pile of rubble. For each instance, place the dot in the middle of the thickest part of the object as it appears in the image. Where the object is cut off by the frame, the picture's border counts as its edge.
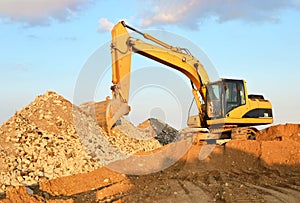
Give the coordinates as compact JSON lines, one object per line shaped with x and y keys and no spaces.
{"x":163,"y":132}
{"x":40,"y":141}
{"x":125,"y":141}
{"x":51,"y":138}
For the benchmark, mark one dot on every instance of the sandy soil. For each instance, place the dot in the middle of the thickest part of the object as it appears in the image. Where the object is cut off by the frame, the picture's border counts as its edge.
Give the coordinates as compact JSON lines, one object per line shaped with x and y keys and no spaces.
{"x":237,"y":172}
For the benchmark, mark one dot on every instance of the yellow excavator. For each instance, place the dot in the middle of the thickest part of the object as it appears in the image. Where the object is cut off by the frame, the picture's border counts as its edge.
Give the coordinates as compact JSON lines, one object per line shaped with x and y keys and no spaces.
{"x":224,"y":106}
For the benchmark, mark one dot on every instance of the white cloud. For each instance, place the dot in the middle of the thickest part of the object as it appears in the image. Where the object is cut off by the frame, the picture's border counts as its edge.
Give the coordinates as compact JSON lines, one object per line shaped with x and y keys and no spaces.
{"x":39,"y":12}
{"x":105,"y":25}
{"x":190,"y":13}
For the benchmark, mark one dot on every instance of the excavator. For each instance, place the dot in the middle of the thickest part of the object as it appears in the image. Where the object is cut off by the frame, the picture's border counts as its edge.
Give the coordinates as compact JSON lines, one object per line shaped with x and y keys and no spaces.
{"x":224,"y":106}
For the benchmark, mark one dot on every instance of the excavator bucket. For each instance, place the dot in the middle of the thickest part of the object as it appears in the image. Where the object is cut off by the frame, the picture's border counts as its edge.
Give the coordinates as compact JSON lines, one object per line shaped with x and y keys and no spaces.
{"x":107,"y":112}
{"x":114,"y":110}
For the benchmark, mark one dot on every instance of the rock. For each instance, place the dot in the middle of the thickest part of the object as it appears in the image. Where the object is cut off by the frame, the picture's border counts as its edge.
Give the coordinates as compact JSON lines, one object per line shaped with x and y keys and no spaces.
{"x":165,"y":134}
{"x":29,"y":191}
{"x":20,"y":179}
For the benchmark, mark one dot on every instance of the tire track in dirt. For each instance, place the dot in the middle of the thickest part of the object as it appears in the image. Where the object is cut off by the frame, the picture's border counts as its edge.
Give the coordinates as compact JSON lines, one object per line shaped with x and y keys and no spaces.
{"x":277,"y":194}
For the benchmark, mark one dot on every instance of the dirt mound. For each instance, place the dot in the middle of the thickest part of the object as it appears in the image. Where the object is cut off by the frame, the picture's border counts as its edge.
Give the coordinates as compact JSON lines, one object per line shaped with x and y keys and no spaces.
{"x":131,"y":139}
{"x":40,"y":141}
{"x":163,"y":132}
{"x":280,"y":132}
{"x":51,"y":138}
{"x":124,"y":141}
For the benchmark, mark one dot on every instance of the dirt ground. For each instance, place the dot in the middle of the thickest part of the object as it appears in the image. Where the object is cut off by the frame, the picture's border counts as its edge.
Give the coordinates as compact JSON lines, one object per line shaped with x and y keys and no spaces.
{"x":240,"y":171}
{"x":262,"y":170}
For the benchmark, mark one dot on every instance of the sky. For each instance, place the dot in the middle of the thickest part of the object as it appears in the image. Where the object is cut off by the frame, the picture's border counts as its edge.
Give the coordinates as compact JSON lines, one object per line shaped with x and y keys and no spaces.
{"x":48,"y":45}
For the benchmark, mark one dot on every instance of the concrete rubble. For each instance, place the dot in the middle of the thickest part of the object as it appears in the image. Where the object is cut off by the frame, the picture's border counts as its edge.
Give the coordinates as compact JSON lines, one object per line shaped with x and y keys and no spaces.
{"x":51,"y":138}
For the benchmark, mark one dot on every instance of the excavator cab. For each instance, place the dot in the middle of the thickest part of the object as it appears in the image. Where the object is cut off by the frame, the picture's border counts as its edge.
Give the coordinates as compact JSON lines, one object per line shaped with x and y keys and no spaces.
{"x":224,"y":96}
{"x":228,"y":103}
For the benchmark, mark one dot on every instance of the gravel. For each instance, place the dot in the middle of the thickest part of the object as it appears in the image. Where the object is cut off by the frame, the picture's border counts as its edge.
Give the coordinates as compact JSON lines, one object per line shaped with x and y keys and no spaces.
{"x":51,"y":138}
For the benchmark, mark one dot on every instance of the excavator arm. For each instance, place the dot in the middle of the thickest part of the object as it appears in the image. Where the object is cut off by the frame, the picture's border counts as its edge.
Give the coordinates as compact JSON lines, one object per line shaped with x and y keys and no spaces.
{"x":123,"y":46}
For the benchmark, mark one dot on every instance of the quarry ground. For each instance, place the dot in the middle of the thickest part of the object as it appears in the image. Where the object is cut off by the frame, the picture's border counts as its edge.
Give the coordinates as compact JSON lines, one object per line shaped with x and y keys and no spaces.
{"x":262,"y":170}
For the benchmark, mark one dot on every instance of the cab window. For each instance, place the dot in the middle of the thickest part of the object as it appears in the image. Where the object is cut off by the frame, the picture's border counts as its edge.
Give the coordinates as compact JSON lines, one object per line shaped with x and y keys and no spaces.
{"x":234,"y":94}
{"x":231,"y":92}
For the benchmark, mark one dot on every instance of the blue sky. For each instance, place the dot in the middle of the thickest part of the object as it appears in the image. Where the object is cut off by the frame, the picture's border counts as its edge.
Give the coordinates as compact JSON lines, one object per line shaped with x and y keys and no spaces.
{"x":44,"y":46}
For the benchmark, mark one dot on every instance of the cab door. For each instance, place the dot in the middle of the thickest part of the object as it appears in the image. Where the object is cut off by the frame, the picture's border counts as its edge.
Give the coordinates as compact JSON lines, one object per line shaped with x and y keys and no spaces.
{"x":214,"y":108}
{"x":234,"y":94}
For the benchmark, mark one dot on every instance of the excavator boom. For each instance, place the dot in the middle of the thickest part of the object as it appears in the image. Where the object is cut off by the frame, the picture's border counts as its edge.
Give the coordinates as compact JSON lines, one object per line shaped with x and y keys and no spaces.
{"x":122,"y":47}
